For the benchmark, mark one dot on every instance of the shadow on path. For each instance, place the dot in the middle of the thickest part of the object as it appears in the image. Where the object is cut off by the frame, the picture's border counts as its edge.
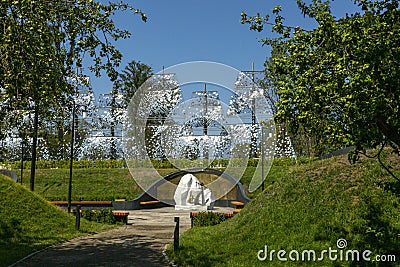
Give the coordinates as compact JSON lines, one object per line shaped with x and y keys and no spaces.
{"x":138,"y":244}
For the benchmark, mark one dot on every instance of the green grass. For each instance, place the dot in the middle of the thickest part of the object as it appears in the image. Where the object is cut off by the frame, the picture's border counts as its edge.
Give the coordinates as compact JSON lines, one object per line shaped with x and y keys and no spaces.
{"x":109,"y":183}
{"x":306,"y":207}
{"x":275,"y":174}
{"x":87,"y":184}
{"x":28,"y":223}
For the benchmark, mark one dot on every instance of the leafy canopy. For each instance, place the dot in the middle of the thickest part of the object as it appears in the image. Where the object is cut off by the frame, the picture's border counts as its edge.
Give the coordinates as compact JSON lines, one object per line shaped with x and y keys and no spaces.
{"x":44,"y":43}
{"x":340,"y":80}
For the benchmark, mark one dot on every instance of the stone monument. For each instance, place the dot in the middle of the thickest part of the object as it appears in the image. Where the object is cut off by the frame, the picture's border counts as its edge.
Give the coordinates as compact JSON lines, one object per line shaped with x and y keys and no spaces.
{"x":192,"y":195}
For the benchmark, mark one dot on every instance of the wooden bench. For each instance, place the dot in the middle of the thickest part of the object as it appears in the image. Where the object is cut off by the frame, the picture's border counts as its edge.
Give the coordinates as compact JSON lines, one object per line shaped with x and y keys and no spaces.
{"x":121,"y":216}
{"x":151,"y":202}
{"x":239,"y":206}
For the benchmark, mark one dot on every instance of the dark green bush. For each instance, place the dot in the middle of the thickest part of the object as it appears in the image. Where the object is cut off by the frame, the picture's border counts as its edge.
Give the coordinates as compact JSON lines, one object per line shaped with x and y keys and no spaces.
{"x":65,"y":164}
{"x":100,"y":215}
{"x":209,"y":218}
{"x":157,"y":163}
{"x":161,"y":164}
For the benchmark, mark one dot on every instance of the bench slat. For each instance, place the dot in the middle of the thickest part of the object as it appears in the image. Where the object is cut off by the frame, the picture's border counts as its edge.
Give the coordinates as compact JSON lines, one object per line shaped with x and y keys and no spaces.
{"x":149,"y":202}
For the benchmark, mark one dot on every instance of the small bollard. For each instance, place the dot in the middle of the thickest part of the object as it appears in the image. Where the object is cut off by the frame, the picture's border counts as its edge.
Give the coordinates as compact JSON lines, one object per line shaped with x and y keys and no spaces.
{"x":78,"y":217}
{"x":176,"y":233}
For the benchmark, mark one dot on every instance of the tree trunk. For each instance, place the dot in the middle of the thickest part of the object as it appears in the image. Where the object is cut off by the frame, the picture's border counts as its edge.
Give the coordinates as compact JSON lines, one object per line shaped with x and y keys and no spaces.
{"x":387,"y":130}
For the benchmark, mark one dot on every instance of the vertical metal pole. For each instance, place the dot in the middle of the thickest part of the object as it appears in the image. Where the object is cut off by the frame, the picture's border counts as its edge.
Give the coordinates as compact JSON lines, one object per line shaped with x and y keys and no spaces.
{"x":22,"y":158}
{"x":262,"y":157}
{"x":34,"y":146}
{"x":176,"y":233}
{"x":78,"y":217}
{"x":253,"y":148}
{"x":71,"y":159}
{"x":202,"y":195}
{"x":205,"y":127}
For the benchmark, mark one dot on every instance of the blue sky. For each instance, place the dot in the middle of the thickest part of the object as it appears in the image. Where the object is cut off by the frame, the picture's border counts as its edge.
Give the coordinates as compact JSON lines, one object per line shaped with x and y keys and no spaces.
{"x":179,"y":31}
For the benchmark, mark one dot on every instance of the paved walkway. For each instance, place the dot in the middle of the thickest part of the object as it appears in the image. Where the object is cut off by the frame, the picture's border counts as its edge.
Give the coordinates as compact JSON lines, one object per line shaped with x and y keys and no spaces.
{"x":140,"y":243}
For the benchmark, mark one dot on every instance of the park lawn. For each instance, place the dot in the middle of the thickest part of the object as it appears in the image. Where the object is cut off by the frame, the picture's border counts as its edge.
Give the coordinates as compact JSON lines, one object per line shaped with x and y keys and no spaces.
{"x":309,"y":208}
{"x":87,"y":184}
{"x":29,"y":223}
{"x":107,"y":184}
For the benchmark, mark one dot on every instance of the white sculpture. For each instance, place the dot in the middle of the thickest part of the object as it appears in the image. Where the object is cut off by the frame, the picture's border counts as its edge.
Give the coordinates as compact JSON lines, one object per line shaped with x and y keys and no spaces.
{"x":191,"y":195}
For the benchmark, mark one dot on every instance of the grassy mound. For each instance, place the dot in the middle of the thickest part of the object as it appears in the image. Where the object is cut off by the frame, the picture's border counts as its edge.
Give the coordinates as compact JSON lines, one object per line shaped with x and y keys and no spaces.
{"x":310,"y":208}
{"x":28,"y":223}
{"x":87,"y":184}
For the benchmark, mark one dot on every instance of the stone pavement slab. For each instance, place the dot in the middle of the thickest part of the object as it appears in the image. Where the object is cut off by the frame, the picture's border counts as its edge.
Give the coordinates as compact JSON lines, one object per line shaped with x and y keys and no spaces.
{"x":140,"y":243}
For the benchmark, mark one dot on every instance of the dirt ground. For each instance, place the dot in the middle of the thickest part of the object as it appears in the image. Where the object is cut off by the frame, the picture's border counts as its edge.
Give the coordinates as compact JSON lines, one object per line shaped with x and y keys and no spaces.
{"x":140,"y":243}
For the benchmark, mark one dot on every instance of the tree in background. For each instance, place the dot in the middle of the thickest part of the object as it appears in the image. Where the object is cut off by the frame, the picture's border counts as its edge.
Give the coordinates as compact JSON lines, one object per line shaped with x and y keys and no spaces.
{"x":42,"y":45}
{"x":131,"y":78}
{"x":340,"y":81}
{"x":124,"y":88}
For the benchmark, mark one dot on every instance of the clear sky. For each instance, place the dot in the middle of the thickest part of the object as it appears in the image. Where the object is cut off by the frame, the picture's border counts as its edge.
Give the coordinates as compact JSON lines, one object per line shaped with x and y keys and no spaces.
{"x":179,"y":31}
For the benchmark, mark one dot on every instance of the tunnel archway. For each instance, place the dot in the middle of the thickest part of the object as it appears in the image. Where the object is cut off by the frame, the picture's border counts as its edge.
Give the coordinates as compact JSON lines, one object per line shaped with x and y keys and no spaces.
{"x":156,"y":194}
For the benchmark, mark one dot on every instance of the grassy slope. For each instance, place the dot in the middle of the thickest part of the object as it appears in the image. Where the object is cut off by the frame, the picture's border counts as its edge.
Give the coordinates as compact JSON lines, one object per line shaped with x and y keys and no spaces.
{"x":310,"y":207}
{"x":28,"y":223}
{"x":101,"y":184}
{"x":88,"y":184}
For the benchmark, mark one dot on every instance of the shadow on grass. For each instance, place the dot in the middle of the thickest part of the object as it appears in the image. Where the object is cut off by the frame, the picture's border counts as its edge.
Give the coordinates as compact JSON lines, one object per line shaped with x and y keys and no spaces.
{"x":392,"y":187}
{"x":380,"y":237}
{"x":14,"y":249}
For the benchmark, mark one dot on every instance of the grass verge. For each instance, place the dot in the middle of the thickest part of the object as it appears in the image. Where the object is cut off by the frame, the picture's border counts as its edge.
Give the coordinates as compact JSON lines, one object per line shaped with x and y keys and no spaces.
{"x":28,"y":223}
{"x":309,"y":208}
{"x":87,"y":184}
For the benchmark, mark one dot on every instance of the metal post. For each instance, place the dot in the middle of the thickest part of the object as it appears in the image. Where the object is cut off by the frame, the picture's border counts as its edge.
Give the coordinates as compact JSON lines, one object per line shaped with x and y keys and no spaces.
{"x":71,"y":159}
{"x":176,"y":233}
{"x":78,"y":217}
{"x":34,"y":146}
{"x":262,"y":157}
{"x":202,"y":194}
{"x":22,"y":158}
{"x":205,"y":126}
{"x":253,"y":148}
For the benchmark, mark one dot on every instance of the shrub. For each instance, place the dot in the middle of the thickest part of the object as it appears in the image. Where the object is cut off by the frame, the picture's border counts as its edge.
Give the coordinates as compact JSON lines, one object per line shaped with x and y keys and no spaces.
{"x":65,"y":164}
{"x":100,"y":215}
{"x":209,"y":218}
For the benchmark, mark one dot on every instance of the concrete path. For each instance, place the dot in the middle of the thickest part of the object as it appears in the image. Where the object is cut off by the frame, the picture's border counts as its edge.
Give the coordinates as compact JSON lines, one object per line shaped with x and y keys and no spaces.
{"x":140,"y":243}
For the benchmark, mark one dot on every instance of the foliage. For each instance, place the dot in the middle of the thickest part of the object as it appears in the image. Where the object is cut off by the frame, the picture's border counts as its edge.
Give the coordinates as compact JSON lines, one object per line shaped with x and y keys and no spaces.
{"x":209,"y":218}
{"x":131,"y":78}
{"x":311,"y":206}
{"x":339,"y":81}
{"x":28,"y":223}
{"x":65,"y":164}
{"x":43,"y":42}
{"x":100,"y":216}
{"x":42,"y":50}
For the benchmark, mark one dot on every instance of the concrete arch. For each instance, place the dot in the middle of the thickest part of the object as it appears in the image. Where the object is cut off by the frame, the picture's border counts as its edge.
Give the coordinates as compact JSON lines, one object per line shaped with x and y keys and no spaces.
{"x":236,"y":194}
